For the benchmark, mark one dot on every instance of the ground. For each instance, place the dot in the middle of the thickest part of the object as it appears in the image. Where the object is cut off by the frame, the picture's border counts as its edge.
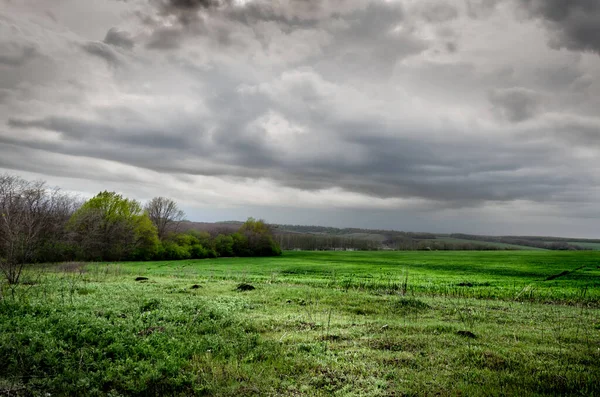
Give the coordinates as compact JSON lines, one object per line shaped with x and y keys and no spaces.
{"x":317,"y":323}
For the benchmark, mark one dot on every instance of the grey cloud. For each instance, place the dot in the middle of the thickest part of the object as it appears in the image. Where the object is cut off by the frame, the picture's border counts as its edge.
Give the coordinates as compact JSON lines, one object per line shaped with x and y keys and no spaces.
{"x":186,"y":11}
{"x":186,"y":5}
{"x":101,"y":50}
{"x":119,"y":39}
{"x":165,"y":39}
{"x":575,"y":23}
{"x":573,"y":131}
{"x":13,"y":54}
{"x":437,"y":11}
{"x":455,"y":172}
{"x":376,"y":38}
{"x":481,"y":8}
{"x":87,"y":131}
{"x":296,"y":13}
{"x":192,"y":17}
{"x":371,"y":97}
{"x":515,"y":104}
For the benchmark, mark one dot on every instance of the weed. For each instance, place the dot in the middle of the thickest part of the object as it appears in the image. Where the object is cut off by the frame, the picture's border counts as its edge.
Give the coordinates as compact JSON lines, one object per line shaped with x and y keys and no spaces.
{"x":150,"y":305}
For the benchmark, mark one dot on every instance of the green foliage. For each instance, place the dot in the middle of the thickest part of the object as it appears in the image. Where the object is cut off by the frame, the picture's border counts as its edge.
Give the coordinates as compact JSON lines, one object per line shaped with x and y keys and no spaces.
{"x":189,"y":245}
{"x":117,"y":350}
{"x":111,"y":227}
{"x":147,"y":242}
{"x":43,"y":225}
{"x":259,"y":238}
{"x":224,"y":245}
{"x":241,"y":246}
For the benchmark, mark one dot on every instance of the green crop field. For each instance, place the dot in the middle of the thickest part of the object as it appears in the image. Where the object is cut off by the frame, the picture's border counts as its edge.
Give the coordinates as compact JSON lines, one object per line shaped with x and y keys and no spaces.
{"x":317,"y":323}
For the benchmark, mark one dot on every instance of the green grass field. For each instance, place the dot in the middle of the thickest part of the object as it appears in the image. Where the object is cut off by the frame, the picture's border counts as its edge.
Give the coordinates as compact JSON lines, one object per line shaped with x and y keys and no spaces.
{"x":318,"y":323}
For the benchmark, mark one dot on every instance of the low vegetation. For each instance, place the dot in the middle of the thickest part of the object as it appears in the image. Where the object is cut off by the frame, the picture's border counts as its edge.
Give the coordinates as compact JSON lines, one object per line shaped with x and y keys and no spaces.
{"x":307,"y":323}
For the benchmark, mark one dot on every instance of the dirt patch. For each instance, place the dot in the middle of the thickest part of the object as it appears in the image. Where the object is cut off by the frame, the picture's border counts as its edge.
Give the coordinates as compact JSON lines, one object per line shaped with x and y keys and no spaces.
{"x":563,"y":273}
{"x":141,"y":279}
{"x":408,"y":305}
{"x":466,"y":334}
{"x":554,"y":276}
{"x":245,"y":287}
{"x":195,"y":286}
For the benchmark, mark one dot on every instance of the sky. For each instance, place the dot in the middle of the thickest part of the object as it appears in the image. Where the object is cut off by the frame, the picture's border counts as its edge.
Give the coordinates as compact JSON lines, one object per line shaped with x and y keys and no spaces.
{"x":473,"y":116}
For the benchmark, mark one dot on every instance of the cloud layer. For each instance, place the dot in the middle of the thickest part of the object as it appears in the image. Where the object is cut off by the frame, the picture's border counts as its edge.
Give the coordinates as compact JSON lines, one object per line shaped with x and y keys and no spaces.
{"x":429,"y":110}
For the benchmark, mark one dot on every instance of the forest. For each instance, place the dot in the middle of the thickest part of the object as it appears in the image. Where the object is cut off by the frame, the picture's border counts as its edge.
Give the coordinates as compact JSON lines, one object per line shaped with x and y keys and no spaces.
{"x":41,"y":224}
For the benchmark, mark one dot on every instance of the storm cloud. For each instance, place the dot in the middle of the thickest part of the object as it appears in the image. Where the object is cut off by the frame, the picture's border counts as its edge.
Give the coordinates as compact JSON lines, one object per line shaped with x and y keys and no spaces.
{"x":575,"y":24}
{"x":418,"y":110}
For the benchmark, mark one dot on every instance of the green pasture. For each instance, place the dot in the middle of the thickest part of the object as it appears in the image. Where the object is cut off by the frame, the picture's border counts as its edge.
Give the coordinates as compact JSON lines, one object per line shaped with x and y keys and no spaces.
{"x":316,"y":324}
{"x":479,"y":274}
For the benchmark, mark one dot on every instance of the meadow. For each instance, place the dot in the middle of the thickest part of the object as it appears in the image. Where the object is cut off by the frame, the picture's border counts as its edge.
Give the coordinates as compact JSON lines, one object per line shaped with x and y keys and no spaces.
{"x":316,"y":323}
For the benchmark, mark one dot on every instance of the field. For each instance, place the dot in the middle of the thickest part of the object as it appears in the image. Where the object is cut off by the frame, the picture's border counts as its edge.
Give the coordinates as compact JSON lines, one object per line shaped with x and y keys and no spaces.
{"x":317,"y":323}
{"x":588,"y":245}
{"x":454,"y":240}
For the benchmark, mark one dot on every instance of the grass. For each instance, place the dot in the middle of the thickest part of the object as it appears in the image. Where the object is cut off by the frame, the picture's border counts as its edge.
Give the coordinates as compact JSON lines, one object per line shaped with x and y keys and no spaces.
{"x":318,"y":323}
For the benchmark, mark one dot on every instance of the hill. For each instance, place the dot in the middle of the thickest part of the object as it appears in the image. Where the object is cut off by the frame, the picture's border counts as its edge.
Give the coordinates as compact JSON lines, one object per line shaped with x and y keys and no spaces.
{"x":307,"y":237}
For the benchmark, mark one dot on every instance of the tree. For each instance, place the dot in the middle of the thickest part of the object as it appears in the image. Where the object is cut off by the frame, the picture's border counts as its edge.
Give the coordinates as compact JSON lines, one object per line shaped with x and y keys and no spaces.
{"x":165,"y":214}
{"x":32,"y":216}
{"x":259,"y":237}
{"x":224,"y":245}
{"x":111,"y":227}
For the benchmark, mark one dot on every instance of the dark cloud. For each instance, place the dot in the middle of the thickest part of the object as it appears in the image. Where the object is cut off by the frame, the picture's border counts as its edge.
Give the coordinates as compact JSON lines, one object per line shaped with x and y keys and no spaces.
{"x":515,"y":104}
{"x":119,"y":39}
{"x":365,"y":104}
{"x":186,"y":11}
{"x":86,"y":131}
{"x":300,"y":13}
{"x":103,"y":51}
{"x":575,"y":24}
{"x":457,"y":172}
{"x":192,"y":16}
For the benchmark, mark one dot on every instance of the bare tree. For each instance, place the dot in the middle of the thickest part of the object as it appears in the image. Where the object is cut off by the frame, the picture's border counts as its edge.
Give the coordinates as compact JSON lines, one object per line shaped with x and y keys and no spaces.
{"x":31,"y":215}
{"x":165,"y":214}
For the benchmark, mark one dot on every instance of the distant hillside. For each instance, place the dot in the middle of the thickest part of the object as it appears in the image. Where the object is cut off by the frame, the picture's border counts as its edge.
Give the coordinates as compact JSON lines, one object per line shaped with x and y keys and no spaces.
{"x":212,"y":228}
{"x":327,"y":238}
{"x":550,"y":243}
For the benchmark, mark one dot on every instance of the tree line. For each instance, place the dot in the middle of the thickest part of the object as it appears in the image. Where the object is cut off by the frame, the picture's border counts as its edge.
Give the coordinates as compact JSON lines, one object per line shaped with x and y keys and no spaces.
{"x":43,"y":224}
{"x":549,"y":243}
{"x":290,"y":241}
